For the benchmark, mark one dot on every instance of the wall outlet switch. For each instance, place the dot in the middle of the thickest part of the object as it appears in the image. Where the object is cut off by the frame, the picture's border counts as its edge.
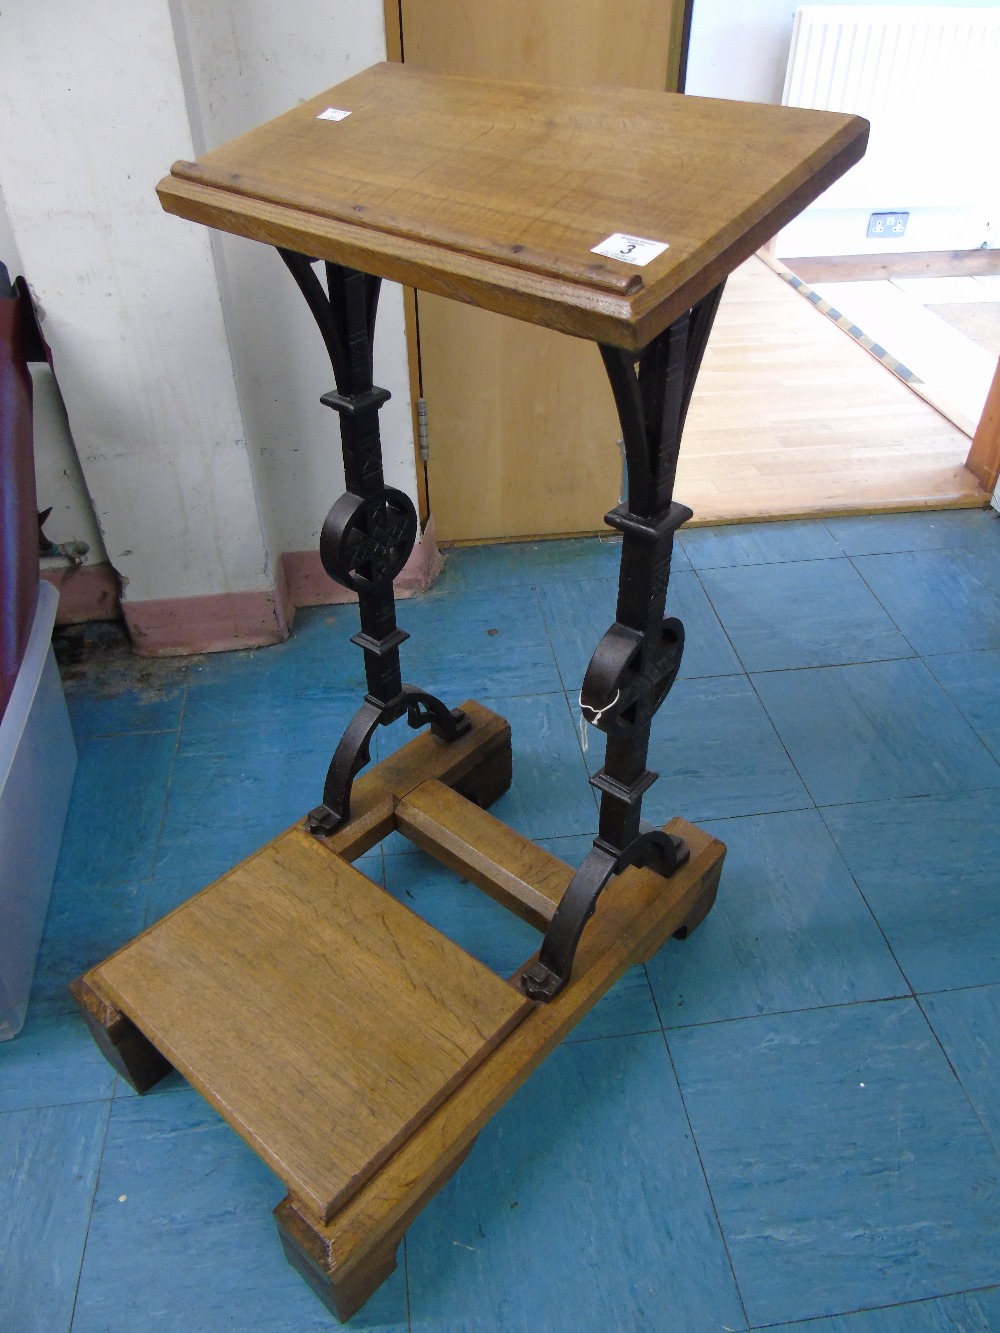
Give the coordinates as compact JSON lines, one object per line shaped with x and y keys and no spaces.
{"x":887,"y":224}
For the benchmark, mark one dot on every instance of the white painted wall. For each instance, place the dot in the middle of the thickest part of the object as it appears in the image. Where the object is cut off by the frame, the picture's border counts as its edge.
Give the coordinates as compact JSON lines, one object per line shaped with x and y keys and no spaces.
{"x":92,"y":107}
{"x":9,"y":253}
{"x":190,"y":366}
{"x":742,"y":53}
{"x":247,"y":61}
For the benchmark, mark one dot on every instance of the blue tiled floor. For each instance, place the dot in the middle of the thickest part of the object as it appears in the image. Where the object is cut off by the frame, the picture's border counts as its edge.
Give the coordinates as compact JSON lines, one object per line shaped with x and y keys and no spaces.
{"x":789,"y":1121}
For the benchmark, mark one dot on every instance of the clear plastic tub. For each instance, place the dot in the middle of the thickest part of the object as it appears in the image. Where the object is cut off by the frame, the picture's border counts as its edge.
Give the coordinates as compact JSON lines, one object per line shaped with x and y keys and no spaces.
{"x":37,"y":763}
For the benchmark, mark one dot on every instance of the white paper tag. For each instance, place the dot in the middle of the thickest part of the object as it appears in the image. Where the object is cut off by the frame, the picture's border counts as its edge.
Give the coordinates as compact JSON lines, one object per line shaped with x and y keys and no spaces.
{"x":631,"y":249}
{"x":332,"y":113}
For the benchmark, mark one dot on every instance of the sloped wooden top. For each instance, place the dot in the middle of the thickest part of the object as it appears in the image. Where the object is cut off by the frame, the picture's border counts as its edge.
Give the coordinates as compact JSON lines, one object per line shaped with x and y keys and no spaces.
{"x":495,"y":193}
{"x":320,"y":1017}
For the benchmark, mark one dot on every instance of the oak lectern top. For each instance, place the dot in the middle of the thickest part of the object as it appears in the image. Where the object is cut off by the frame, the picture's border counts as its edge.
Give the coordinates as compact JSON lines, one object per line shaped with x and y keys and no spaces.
{"x":496,"y":193}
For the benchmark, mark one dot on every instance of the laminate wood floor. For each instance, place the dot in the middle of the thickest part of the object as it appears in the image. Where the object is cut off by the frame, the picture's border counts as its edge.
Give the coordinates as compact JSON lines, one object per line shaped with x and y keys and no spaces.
{"x":791,"y":418}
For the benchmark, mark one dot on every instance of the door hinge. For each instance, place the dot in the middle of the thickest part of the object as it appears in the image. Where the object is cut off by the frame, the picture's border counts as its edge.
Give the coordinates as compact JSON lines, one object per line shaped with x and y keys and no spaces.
{"x":423,"y":441}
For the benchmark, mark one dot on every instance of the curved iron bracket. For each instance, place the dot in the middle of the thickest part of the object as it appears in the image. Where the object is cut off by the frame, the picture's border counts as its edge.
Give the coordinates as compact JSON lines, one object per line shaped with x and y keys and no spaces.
{"x":662,"y":852}
{"x":423,"y":708}
{"x":354,"y":750}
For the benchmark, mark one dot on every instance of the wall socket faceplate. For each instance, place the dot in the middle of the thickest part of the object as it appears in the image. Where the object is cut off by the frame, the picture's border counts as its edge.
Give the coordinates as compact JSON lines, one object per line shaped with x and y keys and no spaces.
{"x":887,"y":224}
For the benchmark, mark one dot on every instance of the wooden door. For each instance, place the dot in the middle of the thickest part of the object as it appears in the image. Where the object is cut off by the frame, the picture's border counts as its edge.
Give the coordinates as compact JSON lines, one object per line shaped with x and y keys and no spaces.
{"x":521,"y":425}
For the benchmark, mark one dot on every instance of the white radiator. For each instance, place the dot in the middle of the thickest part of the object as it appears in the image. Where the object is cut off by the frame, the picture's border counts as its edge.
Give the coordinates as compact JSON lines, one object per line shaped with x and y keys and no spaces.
{"x":926,"y":78}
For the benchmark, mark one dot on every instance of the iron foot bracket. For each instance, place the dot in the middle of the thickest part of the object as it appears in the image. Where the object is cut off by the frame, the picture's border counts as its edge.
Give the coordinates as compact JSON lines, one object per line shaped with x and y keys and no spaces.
{"x":637,"y":660}
{"x":354,"y":752}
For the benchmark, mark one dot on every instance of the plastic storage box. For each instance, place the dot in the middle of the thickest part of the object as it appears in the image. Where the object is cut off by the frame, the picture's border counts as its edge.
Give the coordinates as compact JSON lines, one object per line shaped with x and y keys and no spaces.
{"x":37,"y":763}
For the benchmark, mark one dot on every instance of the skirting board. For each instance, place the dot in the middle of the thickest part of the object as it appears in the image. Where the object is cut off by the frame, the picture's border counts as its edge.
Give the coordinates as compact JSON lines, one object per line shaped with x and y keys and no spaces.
{"x":219,"y":622}
{"x":86,"y":592}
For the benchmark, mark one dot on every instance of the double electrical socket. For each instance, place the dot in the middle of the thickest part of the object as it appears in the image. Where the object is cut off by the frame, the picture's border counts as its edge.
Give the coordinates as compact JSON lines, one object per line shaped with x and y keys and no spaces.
{"x":887,"y":224}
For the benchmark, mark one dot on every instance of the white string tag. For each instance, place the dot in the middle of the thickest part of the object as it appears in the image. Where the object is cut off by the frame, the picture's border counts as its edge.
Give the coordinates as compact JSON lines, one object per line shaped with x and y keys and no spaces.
{"x":598,"y":714}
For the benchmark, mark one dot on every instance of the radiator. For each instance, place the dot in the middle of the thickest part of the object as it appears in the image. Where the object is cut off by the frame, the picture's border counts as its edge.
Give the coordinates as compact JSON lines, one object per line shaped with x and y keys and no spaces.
{"x":923,"y":76}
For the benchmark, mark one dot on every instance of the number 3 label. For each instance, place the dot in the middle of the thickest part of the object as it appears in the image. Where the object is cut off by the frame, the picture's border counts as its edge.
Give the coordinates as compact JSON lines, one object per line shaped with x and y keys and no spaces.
{"x":630,"y":249}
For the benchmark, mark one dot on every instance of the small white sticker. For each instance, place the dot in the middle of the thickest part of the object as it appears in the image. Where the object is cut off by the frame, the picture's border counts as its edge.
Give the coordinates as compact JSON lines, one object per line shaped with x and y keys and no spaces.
{"x":333,"y":113}
{"x":630,"y":249}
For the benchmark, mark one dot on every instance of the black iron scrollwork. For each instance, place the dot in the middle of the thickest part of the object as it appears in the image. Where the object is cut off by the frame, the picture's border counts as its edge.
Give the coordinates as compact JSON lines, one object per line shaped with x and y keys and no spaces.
{"x":620,"y":688}
{"x":638,"y":659}
{"x":369,"y":533}
{"x":364,"y":544}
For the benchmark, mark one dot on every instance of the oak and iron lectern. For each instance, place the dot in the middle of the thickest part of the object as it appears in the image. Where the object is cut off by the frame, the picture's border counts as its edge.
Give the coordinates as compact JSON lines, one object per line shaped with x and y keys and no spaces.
{"x":355,"y":1048}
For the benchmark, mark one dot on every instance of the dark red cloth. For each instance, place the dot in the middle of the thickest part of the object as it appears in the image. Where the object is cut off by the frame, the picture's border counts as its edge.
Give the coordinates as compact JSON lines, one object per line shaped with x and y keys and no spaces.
{"x":19,"y":341}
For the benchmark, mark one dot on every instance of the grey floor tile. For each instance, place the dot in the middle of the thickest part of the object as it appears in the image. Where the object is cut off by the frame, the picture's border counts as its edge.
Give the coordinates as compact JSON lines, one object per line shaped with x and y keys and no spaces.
{"x":973,"y":682}
{"x":469,"y":646}
{"x":53,"y":1061}
{"x":928,"y":870}
{"x":234,"y":789}
{"x":943,"y":601}
{"x":109,"y":690}
{"x":967,"y":1023}
{"x":874,"y":730}
{"x":717,"y":755}
{"x":469,"y":569}
{"x":758,"y":544}
{"x":84,"y":924}
{"x":579,"y":614}
{"x":846,"y":1164}
{"x":116,"y":810}
{"x":581,"y":1207}
{"x":970,"y":1312}
{"x":182,"y":1234}
{"x":927,"y":530}
{"x":49,"y":1160}
{"x":802,"y":615}
{"x":789,"y":930}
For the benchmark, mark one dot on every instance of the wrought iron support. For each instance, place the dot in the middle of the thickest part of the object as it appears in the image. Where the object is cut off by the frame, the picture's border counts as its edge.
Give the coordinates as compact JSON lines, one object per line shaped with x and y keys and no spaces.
{"x":370,"y":531}
{"x":637,"y":660}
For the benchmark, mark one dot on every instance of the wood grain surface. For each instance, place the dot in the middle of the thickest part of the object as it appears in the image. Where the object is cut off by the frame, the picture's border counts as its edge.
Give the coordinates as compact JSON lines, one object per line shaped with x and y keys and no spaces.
{"x":792,"y":418}
{"x":535,"y":402}
{"x":320,"y":1017}
{"x":217,"y":1000}
{"x":634,"y":916}
{"x":495,"y":192}
{"x":527,"y":879}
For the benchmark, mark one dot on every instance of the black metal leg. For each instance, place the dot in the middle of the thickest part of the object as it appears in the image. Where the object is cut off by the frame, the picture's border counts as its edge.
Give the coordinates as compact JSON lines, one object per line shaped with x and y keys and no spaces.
{"x":637,"y":660}
{"x":369,"y":533}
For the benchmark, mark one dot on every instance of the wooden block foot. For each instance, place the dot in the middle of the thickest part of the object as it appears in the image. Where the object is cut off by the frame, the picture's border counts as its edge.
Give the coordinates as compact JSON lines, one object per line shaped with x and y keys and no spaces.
{"x":703,"y":905}
{"x":343,"y":1295}
{"x":345,"y":1282}
{"x":122,"y":1044}
{"x":700,"y":906}
{"x":488,"y":781}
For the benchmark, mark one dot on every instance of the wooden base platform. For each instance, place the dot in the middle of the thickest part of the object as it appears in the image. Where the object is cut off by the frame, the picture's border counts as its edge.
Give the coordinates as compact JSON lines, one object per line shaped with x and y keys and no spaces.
{"x":355,"y":1048}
